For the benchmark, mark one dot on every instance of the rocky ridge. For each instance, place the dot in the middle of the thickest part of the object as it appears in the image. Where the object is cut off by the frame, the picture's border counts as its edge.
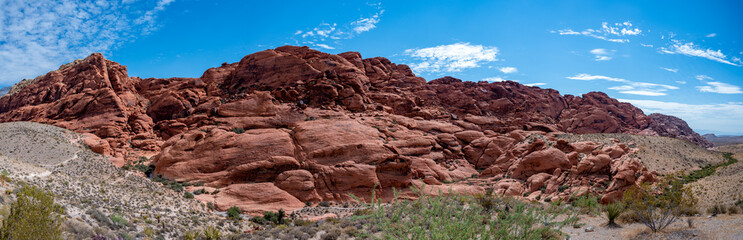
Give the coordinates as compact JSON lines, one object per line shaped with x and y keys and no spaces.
{"x":298,"y":125}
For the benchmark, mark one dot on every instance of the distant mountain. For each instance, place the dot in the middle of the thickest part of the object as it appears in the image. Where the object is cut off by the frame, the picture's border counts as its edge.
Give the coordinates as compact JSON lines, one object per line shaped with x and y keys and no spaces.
{"x":4,"y":91}
{"x":723,"y":140}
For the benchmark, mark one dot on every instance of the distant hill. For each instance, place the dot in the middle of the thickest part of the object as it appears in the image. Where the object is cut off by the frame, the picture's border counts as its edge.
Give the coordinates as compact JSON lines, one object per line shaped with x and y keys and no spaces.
{"x":4,"y":91}
{"x":723,"y":140}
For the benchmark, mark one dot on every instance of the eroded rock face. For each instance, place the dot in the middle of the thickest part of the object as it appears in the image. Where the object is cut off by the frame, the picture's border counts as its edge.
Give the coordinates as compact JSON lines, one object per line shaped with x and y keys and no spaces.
{"x":291,"y":125}
{"x":670,"y":126}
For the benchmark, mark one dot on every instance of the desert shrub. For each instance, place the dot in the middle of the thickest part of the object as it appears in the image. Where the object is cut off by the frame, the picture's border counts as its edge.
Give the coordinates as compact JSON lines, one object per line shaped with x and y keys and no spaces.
{"x":612,"y":212}
{"x":732,"y":209}
{"x":271,"y":217}
{"x":191,"y":235}
{"x":451,"y":216}
{"x":238,"y":130}
{"x":188,"y":195}
{"x":588,"y":203}
{"x":212,"y":233}
{"x":486,"y":200}
{"x":32,"y":216}
{"x":119,"y":220}
{"x":659,"y":205}
{"x":234,"y":213}
{"x":324,"y":204}
{"x":717,"y":209}
{"x":199,"y":192}
{"x":210,"y":205}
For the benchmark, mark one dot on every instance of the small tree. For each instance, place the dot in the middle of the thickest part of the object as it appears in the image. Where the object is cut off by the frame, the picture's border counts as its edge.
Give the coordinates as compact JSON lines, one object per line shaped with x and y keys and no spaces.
{"x":661,"y":204}
{"x":234,"y":213}
{"x":33,"y":216}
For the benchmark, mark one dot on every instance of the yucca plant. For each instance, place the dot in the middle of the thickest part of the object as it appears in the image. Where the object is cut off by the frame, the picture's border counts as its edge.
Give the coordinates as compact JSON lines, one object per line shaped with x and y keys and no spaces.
{"x":612,"y":212}
{"x":212,"y":233}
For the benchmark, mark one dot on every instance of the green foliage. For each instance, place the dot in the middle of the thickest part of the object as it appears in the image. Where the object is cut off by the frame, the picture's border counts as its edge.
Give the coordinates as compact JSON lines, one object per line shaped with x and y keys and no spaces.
{"x":708,"y":170}
{"x":612,"y":212}
{"x":212,"y":233}
{"x":119,"y":220}
{"x":271,"y":217}
{"x":191,"y":235}
{"x":588,"y":203}
{"x":659,"y":205}
{"x":33,"y":216}
{"x":238,"y":130}
{"x":324,"y":204}
{"x":234,"y":213}
{"x":188,"y":195}
{"x":450,"y":216}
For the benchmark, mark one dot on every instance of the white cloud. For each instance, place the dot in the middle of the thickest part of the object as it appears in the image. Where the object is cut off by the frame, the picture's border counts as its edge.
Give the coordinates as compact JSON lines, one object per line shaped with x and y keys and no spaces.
{"x":325,"y":46}
{"x":629,"y":87}
{"x":588,"y":77}
{"x":608,"y":32}
{"x":646,"y":45}
{"x":711,"y":35}
{"x":703,"y":77}
{"x":720,"y":117}
{"x":643,"y":88}
{"x":508,"y":70}
{"x":720,"y":87}
{"x":602,"y":54}
{"x":681,"y":82}
{"x":496,"y":79}
{"x":366,"y":24}
{"x":535,"y":84}
{"x":670,"y":69}
{"x":451,"y":58}
{"x":691,"y":49}
{"x":326,"y":34}
{"x":38,"y":36}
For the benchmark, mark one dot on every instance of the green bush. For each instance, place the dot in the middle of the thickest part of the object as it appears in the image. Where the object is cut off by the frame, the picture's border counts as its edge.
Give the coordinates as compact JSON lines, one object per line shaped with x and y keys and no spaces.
{"x":234,"y":213}
{"x":188,"y":195}
{"x":450,"y":216}
{"x":659,"y":205}
{"x":212,"y":233}
{"x":238,"y":130}
{"x":587,"y":203}
{"x":33,"y":216}
{"x":271,"y":217}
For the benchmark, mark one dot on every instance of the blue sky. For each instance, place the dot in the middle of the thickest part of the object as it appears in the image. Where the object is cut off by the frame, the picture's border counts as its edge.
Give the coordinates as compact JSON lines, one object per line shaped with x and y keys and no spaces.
{"x":674,"y":57}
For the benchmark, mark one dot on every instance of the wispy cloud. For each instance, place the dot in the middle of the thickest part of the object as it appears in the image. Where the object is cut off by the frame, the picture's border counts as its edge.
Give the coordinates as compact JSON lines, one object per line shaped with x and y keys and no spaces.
{"x":720,"y":87}
{"x":711,"y":35}
{"x":451,"y":58}
{"x":703,"y":77}
{"x":38,"y":36}
{"x":535,"y":84}
{"x":643,"y":88}
{"x":602,"y":54}
{"x":670,"y":69}
{"x":366,"y":24}
{"x":325,"y":34}
{"x":646,"y":45}
{"x":681,"y":82}
{"x":588,"y":77}
{"x":723,"y":117}
{"x":508,"y":70}
{"x":616,"y":32}
{"x":693,"y":50}
{"x":629,"y":87}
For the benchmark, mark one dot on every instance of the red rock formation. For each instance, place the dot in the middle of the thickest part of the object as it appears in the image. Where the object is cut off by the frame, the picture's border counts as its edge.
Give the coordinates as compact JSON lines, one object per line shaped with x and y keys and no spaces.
{"x":291,"y":125}
{"x":670,"y":126}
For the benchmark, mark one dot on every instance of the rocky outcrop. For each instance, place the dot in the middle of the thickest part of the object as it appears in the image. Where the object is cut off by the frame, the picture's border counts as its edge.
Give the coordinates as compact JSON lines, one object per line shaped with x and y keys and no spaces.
{"x":291,"y":125}
{"x":670,"y":126}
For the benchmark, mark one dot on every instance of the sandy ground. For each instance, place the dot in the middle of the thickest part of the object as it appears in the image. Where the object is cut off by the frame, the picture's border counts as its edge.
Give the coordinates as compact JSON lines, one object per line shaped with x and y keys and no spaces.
{"x":704,"y":227}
